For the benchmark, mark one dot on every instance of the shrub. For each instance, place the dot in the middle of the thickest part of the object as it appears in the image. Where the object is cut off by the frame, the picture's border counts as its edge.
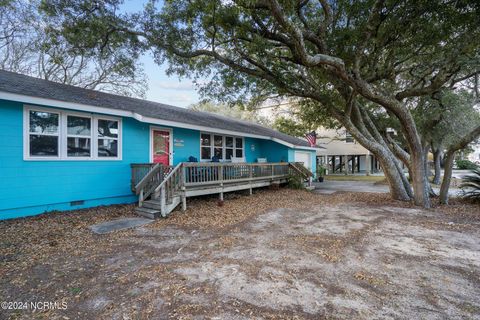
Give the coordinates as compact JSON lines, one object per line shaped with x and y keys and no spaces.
{"x":295,"y":182}
{"x":466,"y":165}
{"x":471,"y":186}
{"x":321,"y":171}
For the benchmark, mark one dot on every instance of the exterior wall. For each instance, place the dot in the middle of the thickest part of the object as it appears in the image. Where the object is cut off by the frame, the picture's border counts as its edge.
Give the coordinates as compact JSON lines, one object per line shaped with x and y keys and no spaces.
{"x":30,"y":187}
{"x":186,"y":143}
{"x":334,"y":143}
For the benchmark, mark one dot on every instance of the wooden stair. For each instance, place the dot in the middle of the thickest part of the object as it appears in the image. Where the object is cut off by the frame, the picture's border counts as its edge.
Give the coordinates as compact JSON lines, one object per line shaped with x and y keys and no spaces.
{"x":152,"y":208}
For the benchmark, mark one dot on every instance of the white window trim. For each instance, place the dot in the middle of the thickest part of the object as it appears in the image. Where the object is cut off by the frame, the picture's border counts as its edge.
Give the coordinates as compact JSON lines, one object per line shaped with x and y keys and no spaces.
{"x":212,"y":146}
{"x":62,"y":134}
{"x":170,"y":143}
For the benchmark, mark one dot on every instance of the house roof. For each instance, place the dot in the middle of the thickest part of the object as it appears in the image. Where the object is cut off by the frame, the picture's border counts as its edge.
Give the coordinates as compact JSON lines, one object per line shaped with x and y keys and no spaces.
{"x":20,"y":85}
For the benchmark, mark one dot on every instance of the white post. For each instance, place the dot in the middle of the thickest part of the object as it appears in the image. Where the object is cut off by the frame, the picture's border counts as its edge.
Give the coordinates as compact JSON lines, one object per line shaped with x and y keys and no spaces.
{"x":140,"y":198}
{"x":367,"y":164}
{"x":184,"y":202}
{"x":163,"y":205}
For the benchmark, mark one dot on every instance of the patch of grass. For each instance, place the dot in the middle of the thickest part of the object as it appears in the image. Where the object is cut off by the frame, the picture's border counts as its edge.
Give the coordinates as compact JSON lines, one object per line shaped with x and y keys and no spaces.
{"x":75,"y":290}
{"x":354,"y":178}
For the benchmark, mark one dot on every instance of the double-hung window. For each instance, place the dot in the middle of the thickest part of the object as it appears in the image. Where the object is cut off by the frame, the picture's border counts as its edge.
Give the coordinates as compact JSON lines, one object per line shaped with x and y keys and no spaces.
{"x":219,"y":146}
{"x":43,"y":134}
{"x":79,"y":136}
{"x":107,"y":138}
{"x":63,"y":135}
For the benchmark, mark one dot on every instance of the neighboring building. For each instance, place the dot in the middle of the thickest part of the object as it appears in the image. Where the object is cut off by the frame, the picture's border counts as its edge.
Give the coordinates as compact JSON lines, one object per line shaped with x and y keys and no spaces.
{"x":338,"y":152}
{"x":65,"y":147}
{"x":342,"y":154}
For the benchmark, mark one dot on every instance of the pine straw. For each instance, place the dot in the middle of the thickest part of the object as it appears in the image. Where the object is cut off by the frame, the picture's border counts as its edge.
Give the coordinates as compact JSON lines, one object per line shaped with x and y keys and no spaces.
{"x":29,"y":241}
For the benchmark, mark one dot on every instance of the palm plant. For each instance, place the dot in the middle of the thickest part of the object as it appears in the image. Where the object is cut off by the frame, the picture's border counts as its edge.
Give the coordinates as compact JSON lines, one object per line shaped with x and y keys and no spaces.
{"x":471,"y":185}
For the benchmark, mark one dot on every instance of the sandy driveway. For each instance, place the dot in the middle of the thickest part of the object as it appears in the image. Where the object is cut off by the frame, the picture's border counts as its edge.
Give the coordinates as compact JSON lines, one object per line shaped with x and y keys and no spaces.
{"x":321,"y":259}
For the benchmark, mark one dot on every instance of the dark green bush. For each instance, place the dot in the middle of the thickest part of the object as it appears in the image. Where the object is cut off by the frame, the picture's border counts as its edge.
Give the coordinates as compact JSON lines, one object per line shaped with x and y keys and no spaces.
{"x":471,"y":185}
{"x":466,"y":165}
{"x":321,"y":170}
{"x":295,"y":182}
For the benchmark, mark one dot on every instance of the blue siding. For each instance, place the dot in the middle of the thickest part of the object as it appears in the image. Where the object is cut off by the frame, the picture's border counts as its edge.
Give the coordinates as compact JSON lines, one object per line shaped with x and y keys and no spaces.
{"x":186,"y":143}
{"x":33,"y":187}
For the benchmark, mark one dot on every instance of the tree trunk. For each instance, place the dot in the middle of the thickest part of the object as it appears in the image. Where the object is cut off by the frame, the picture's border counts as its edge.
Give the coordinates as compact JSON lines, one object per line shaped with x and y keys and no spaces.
{"x":437,"y":159}
{"x":421,"y":188}
{"x":447,"y":177}
{"x":399,"y":187}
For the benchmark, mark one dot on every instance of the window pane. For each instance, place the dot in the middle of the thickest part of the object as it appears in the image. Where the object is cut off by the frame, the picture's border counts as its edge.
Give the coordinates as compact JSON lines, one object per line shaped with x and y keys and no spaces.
{"x":43,"y":146}
{"x":78,"y":125}
{"x":107,"y":148}
{"x":78,"y":147}
{"x":217,"y":152}
{"x":206,"y":153}
{"x":239,"y":142}
{"x":43,"y":122}
{"x":108,"y":128}
{"x":238,"y":153}
{"x":228,"y":154}
{"x":229,"y":142}
{"x":217,"y":141}
{"x":205,"y":140}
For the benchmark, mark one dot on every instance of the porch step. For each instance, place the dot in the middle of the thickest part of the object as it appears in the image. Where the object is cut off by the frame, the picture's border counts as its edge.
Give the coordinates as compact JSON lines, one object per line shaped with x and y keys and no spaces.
{"x":147,"y":213}
{"x":152,"y":208}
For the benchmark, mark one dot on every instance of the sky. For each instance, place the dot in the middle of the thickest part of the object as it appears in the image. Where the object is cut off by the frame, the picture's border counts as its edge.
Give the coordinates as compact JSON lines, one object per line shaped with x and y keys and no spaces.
{"x":169,"y":90}
{"x":161,"y":88}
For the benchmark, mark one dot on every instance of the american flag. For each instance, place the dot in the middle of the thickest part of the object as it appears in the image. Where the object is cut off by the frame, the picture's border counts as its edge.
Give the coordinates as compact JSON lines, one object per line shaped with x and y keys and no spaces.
{"x":312,"y":138}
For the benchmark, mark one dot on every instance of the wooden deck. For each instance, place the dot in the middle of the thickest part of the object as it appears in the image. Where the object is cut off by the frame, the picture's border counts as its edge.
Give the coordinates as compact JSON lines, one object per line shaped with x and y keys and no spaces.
{"x":161,"y":189}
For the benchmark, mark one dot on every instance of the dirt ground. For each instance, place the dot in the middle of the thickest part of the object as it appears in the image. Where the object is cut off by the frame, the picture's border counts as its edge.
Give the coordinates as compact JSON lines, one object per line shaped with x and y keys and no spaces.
{"x":278,"y":254}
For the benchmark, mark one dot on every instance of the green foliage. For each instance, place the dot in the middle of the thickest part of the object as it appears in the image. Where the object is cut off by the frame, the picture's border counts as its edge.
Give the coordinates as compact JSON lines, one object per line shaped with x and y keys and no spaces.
{"x":305,"y":115}
{"x":321,"y":170}
{"x":466,"y":165}
{"x":471,"y":185}
{"x":290,"y":127}
{"x":405,"y":41}
{"x":295,"y":182}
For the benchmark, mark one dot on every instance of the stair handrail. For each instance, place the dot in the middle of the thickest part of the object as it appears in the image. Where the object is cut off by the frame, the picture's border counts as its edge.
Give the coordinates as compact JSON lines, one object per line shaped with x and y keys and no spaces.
{"x":140,"y":185}
{"x":300,"y":168}
{"x":168,"y":177}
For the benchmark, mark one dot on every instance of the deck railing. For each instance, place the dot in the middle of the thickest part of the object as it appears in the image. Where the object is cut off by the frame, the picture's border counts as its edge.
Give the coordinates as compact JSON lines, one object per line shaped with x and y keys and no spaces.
{"x":150,"y":180}
{"x":139,"y":171}
{"x":197,"y":174}
{"x":167,"y":182}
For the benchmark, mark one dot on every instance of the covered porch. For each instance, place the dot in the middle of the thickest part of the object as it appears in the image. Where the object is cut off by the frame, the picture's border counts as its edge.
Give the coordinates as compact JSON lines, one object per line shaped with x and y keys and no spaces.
{"x":161,"y":188}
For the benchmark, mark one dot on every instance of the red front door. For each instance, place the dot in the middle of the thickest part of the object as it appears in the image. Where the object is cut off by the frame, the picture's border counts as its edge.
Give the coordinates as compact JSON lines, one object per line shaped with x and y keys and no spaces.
{"x":161,"y":147}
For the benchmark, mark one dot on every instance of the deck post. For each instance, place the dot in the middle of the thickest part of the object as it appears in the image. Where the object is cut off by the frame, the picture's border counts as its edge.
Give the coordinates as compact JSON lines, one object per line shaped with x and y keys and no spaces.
{"x":163,"y":205}
{"x":184,"y":201}
{"x":140,"y":198}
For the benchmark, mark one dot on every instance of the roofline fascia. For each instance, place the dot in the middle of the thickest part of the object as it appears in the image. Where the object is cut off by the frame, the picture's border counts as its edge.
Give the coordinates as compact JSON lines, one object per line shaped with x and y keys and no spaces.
{"x":124,"y":113}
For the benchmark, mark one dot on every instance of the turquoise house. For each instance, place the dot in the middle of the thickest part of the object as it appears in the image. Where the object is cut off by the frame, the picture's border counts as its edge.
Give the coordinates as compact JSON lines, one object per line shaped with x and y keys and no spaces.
{"x":66,"y":148}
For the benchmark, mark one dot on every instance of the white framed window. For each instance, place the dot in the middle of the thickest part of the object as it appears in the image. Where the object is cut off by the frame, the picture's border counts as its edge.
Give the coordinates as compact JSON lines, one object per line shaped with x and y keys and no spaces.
{"x":220,"y":146}
{"x":51,"y":134}
{"x":43,"y":134}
